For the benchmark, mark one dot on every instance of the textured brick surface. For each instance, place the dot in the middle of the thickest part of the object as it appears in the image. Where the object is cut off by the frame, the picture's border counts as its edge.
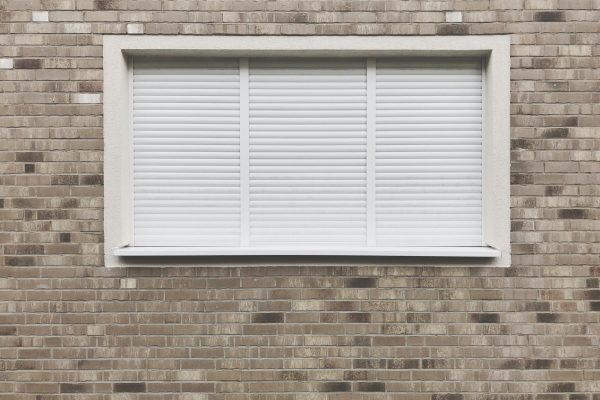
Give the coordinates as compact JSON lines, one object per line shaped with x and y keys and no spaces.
{"x":71,"y":329}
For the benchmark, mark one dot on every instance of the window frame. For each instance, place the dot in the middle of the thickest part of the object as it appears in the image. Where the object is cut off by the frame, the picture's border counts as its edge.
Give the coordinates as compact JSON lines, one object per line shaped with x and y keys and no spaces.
{"x":493,"y":49}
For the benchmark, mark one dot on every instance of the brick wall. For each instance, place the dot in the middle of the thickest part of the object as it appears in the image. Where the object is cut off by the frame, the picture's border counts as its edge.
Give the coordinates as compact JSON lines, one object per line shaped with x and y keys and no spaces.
{"x":70,"y":328}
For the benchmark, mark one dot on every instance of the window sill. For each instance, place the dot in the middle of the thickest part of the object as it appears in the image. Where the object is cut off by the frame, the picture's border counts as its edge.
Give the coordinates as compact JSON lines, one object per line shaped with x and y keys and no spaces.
{"x":144,"y":251}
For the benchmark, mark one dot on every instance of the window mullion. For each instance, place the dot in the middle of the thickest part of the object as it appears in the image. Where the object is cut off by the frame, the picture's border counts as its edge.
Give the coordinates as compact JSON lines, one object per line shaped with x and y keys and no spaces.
{"x":371,"y":182}
{"x":244,"y":155}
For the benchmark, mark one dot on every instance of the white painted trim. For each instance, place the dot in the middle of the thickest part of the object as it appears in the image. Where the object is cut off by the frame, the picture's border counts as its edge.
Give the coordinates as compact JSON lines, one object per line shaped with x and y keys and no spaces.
{"x":480,"y":252}
{"x":303,"y":46}
{"x":494,"y":48}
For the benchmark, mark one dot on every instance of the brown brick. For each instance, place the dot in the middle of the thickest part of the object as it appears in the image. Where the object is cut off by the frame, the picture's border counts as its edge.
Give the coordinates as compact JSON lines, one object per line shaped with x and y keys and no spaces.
{"x":561,"y":387}
{"x":546,"y":317}
{"x":447,"y":396}
{"x":485,"y":318}
{"x":19,"y":261}
{"x":267,"y":318}
{"x":370,"y":387}
{"x":76,"y":387}
{"x":553,"y":190}
{"x":439,"y":363}
{"x":8,"y":330}
{"x":355,"y":375}
{"x":361,"y":282}
{"x":203,"y":387}
{"x":89,"y":87}
{"x":368,"y":363}
{"x":129,"y":387}
{"x":555,"y":133}
{"x":28,"y":63}
{"x":452,"y":29}
{"x":105,"y":4}
{"x":29,"y":156}
{"x":549,"y":16}
{"x":65,"y":180}
{"x":355,"y":317}
{"x":572,"y":213}
{"x":293,"y":376}
{"x":540,"y":364}
{"x":91,"y":180}
{"x":403,"y":364}
{"x":335,"y":387}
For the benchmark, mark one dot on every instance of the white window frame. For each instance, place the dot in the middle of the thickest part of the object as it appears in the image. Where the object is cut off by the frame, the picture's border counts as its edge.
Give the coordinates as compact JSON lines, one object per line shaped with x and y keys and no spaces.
{"x":118,"y":203}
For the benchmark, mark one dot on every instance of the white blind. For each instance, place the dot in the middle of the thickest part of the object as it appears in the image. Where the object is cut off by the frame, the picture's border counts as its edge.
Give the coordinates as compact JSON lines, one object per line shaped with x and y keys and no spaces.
{"x":429,"y":166}
{"x":307,"y":152}
{"x":275,"y":153}
{"x":186,"y":141}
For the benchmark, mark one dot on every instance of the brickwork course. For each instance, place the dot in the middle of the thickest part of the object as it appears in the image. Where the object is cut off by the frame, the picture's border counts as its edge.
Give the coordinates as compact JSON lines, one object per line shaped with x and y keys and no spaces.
{"x":72,"y":329}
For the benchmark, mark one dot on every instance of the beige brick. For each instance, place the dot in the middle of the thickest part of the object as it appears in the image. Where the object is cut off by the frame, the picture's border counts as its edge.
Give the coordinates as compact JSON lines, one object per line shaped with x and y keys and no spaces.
{"x":128,"y":283}
{"x":454,"y":16}
{"x":6,"y":63}
{"x":135,"y":29}
{"x":39,"y":16}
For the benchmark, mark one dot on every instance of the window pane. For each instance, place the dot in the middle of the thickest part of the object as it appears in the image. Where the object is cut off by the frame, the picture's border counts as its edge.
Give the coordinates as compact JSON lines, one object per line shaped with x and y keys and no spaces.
{"x":308,"y":152}
{"x":429,"y":166}
{"x":186,"y":152}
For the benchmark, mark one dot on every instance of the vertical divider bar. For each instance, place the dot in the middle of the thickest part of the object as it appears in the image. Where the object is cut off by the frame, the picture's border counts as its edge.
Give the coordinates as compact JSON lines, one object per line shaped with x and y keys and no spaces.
{"x":131,"y":152}
{"x":244,"y":155}
{"x":483,"y":150}
{"x":371,"y":128}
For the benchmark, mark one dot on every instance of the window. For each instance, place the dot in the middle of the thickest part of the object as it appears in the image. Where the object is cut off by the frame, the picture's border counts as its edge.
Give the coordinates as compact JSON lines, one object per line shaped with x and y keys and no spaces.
{"x":368,"y":153}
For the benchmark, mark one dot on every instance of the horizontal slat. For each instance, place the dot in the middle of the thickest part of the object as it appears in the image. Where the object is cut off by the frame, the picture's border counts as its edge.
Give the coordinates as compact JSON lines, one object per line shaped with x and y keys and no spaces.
{"x":179,"y":98}
{"x":402,"y":86}
{"x":309,"y":218}
{"x":178,"y":120}
{"x":182,"y":147}
{"x":153,"y":141}
{"x":411,"y":125}
{"x":196,"y":211}
{"x":451,"y":154}
{"x":308,"y":161}
{"x":221,"y":111}
{"x":183,"y":155}
{"x":309,"y":169}
{"x":441,"y":92}
{"x":294,"y":121}
{"x":409,"y":119}
{"x":168,"y":107}
{"x":310,"y":105}
{"x":206,"y":86}
{"x":225,"y":126}
{"x":389,"y":79}
{"x":338,"y":98}
{"x":428,"y":113}
{"x":386,"y":101}
{"x":141,"y":78}
{"x":430,"y":182}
